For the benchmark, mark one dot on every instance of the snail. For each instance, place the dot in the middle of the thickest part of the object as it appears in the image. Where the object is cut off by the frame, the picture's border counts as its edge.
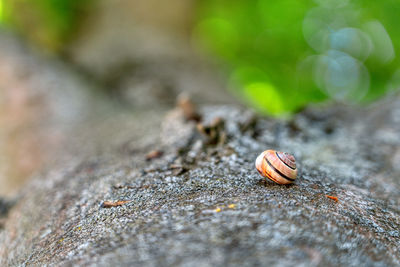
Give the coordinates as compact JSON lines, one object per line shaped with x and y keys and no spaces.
{"x":279,"y":167}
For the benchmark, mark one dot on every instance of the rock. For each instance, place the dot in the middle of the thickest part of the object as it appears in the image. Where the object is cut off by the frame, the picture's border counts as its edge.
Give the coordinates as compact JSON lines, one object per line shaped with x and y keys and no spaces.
{"x":203,"y":203}
{"x":220,"y":211}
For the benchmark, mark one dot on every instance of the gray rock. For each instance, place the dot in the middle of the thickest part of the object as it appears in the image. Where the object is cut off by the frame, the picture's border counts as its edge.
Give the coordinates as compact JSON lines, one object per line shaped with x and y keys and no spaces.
{"x":217,"y":210}
{"x":203,"y":203}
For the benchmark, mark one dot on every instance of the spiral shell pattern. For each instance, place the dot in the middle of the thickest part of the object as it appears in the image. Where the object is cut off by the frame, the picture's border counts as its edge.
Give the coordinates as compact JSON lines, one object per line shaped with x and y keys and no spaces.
{"x":279,"y":167}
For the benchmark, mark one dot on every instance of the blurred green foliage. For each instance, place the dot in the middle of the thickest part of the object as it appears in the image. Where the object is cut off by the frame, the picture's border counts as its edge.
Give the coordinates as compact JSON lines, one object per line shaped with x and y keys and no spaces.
{"x":284,"y":54}
{"x":48,"y":23}
{"x":281,"y":54}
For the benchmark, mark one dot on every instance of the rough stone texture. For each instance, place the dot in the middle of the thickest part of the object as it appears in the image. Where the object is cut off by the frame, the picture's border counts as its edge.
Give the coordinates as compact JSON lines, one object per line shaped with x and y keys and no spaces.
{"x":203,"y":203}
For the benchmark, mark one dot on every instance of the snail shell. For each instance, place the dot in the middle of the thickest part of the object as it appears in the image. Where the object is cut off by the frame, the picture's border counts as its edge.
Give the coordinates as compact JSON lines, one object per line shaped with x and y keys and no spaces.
{"x":279,"y":167}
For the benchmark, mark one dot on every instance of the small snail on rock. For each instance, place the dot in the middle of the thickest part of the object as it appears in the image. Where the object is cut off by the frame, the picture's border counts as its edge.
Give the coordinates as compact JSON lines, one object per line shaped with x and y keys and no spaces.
{"x":279,"y":167}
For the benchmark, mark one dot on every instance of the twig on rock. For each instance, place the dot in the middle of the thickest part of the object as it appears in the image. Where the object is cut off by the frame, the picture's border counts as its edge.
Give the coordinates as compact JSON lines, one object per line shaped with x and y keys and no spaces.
{"x":332,"y":197}
{"x":154,"y":154}
{"x":109,"y":204}
{"x":188,"y":108}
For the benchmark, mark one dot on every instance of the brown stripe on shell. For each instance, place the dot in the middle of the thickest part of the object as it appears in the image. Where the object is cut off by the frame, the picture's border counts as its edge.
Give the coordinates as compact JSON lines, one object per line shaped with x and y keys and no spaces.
{"x":277,"y":171}
{"x":273,"y":179}
{"x":287,"y":159}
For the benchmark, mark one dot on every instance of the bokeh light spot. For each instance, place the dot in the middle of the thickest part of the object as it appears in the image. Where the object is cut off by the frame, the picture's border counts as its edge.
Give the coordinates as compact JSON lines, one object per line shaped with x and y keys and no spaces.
{"x":352,"y":41}
{"x":383,"y":50}
{"x":341,"y":76}
{"x":264,"y":97}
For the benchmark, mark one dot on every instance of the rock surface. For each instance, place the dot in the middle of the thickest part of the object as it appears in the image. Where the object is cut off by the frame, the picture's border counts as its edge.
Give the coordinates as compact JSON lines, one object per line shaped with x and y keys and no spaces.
{"x":201,"y":202}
